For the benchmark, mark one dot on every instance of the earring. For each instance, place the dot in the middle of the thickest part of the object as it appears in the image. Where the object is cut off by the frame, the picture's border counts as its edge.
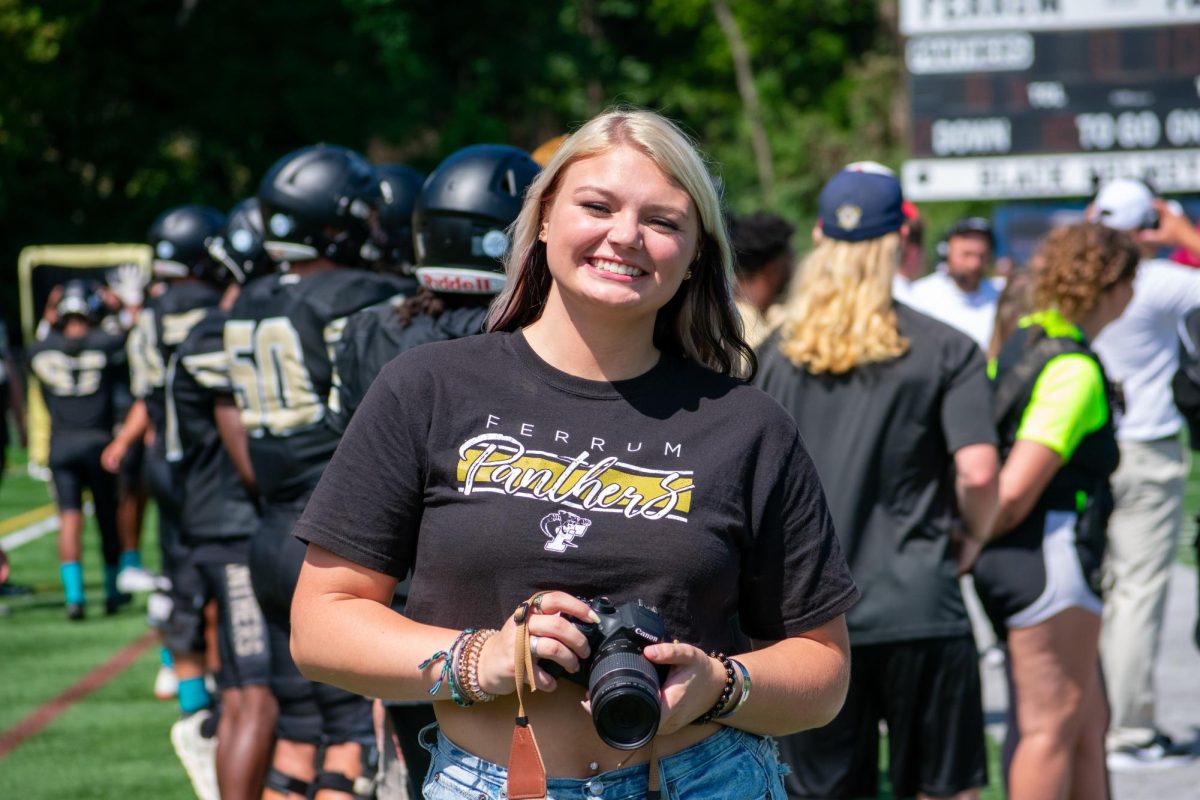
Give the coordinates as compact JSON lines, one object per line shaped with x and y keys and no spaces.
{"x":687,"y":275}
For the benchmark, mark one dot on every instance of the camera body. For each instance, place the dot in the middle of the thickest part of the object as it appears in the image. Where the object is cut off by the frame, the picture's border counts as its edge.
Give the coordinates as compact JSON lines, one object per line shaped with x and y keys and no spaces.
{"x":622,"y":683}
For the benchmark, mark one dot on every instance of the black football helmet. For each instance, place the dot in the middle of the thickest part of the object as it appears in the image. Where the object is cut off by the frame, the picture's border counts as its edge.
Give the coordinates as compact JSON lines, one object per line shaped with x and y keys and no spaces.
{"x":179,"y":239}
{"x":78,"y":300}
{"x":462,"y":216}
{"x":399,"y":187}
{"x":239,"y":248}
{"x":319,"y":202}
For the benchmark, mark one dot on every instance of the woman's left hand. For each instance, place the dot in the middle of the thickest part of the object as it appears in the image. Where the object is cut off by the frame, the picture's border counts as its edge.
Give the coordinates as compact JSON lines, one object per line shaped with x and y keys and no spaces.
{"x":695,"y":682}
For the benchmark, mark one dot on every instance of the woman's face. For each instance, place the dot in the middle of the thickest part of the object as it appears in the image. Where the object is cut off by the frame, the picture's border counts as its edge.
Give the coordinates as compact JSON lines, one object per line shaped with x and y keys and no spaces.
{"x":619,"y":233}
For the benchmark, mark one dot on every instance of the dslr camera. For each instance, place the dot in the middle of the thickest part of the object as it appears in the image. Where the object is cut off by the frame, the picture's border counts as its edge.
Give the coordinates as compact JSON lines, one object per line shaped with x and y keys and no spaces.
{"x":622,"y":683}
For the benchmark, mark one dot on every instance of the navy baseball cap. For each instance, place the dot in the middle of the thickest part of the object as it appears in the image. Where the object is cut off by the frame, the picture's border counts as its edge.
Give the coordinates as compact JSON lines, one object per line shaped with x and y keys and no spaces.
{"x":861,"y":202}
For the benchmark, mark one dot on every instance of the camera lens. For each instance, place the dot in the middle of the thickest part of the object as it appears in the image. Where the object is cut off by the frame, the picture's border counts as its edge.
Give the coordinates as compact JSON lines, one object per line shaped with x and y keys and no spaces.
{"x":624,"y":692}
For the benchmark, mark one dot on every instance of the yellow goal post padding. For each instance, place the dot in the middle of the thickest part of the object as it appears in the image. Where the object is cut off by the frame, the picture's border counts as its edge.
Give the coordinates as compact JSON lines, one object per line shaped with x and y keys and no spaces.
{"x":39,"y":269}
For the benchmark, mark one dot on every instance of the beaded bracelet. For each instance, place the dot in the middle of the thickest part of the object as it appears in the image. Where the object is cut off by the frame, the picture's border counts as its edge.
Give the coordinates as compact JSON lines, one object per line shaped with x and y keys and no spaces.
{"x":745,"y":695}
{"x":726,"y":692}
{"x":468,"y":666}
{"x":447,"y":657}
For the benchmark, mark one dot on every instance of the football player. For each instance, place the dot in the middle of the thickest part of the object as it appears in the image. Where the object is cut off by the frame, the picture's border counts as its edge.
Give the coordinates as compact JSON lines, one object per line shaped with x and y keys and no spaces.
{"x":187,"y":291}
{"x":319,"y":205}
{"x":78,"y":367}
{"x":460,"y":218}
{"x":219,"y":515}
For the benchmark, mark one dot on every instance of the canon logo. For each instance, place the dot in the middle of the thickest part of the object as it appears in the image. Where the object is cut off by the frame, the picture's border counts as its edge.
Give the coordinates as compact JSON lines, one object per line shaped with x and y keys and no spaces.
{"x":645,"y":635}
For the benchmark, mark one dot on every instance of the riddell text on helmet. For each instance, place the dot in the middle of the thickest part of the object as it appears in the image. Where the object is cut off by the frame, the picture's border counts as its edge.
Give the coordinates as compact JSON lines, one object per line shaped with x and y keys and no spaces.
{"x":464,"y":283}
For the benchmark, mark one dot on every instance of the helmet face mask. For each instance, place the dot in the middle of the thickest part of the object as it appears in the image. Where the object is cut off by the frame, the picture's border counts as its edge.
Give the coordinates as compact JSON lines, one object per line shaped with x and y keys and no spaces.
{"x":77,"y":301}
{"x":462,"y":218}
{"x":239,"y":248}
{"x":318,"y":202}
{"x":392,"y":233}
{"x":180,"y":237}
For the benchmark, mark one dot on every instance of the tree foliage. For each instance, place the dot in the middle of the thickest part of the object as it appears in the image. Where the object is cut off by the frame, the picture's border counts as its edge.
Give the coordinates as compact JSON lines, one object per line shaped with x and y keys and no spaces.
{"x":111,"y":112}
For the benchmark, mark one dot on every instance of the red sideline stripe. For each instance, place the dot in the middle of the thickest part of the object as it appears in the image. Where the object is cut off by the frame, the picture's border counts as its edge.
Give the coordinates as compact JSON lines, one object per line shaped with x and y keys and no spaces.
{"x":49,"y":711}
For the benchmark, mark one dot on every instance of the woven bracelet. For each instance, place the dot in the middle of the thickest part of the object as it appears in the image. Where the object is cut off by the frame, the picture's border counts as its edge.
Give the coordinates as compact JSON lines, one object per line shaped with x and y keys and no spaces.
{"x":447,"y":657}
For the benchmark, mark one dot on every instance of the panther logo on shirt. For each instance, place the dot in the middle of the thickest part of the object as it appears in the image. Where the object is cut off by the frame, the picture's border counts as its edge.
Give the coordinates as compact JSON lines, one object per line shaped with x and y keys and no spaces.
{"x":562,"y":528}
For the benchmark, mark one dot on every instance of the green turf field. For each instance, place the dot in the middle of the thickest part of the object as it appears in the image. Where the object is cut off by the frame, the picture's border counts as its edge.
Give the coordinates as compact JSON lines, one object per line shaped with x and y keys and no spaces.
{"x":113,"y":743}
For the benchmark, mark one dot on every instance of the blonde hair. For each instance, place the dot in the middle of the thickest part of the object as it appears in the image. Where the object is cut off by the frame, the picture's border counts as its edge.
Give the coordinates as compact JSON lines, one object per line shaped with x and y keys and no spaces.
{"x":840,"y":314}
{"x":700,"y":322}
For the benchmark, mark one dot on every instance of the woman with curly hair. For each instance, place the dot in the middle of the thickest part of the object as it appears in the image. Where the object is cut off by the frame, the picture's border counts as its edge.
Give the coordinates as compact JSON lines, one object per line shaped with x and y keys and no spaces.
{"x":1038,"y":576}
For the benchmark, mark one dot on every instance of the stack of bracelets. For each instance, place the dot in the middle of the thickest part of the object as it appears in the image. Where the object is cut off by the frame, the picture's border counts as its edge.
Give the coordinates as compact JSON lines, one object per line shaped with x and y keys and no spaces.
{"x":724,"y":707}
{"x":460,"y":667}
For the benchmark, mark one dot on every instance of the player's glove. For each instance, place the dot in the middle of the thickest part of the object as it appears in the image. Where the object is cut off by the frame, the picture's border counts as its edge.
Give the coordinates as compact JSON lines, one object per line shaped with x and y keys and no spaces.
{"x":128,"y":283}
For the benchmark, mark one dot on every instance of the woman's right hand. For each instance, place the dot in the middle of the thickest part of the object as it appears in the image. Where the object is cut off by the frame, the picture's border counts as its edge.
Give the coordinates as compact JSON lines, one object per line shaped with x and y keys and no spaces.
{"x":557,"y":640}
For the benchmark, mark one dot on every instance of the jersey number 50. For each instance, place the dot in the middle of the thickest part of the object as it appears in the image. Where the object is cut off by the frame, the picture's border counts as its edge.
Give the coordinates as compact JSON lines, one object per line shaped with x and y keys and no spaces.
{"x":270,"y":381}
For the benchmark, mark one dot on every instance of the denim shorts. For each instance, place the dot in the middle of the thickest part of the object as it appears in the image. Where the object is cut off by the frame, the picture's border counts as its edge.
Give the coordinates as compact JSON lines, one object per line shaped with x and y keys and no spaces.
{"x":729,"y":765}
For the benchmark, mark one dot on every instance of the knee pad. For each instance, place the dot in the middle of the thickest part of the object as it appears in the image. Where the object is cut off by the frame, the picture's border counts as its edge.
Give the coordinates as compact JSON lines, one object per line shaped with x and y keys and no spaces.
{"x":364,"y":786}
{"x":299,"y":716}
{"x":184,"y":629}
{"x":281,"y":782}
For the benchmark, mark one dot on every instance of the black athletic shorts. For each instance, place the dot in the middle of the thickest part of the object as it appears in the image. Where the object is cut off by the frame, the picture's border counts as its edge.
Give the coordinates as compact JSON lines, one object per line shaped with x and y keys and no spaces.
{"x":75,"y":464}
{"x":928,"y":693}
{"x":241,"y":630}
{"x":308,"y":711}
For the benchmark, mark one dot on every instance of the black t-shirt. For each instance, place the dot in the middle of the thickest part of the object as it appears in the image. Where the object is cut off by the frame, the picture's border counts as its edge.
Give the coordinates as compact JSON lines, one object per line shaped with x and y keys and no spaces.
{"x":494,"y":475}
{"x":374,"y":336}
{"x":216,"y":504}
{"x":79,"y":378}
{"x":279,"y":340}
{"x":883,"y":438}
{"x":163,"y":324}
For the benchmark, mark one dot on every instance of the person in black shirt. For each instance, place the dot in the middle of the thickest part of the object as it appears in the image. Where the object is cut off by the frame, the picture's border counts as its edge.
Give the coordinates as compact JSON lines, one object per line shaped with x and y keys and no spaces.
{"x":594,"y":442}
{"x":79,"y":367}
{"x":219,"y":515}
{"x":187,"y":291}
{"x":893,"y":406}
{"x":318,"y":206}
{"x":12,"y":398}
{"x":12,"y":401}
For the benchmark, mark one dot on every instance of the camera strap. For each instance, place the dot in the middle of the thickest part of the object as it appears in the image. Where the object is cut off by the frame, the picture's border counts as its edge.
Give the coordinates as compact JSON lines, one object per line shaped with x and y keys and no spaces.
{"x":526,"y":771}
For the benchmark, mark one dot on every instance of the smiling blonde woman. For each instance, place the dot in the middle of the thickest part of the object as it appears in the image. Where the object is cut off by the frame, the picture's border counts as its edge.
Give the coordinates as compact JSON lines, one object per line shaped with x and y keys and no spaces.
{"x":594,"y":443}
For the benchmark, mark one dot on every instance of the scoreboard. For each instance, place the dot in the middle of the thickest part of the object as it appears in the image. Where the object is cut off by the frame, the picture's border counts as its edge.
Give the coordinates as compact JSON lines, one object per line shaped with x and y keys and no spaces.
{"x":1029,"y":98}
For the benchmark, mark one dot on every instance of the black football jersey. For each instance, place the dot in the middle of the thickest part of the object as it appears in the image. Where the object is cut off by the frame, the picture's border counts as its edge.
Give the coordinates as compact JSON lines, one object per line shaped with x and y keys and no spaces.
{"x":216,"y":504}
{"x":279,"y":341}
{"x":162,"y":326}
{"x":374,"y":336}
{"x":79,"y":379}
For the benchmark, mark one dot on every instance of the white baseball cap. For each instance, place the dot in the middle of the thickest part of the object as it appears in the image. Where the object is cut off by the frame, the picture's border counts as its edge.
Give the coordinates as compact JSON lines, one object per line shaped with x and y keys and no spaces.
{"x":1124,"y":204}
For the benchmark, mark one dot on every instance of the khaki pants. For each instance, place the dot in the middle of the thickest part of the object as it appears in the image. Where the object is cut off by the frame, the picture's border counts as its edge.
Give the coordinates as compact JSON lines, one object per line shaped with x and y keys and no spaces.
{"x":1143,"y":535}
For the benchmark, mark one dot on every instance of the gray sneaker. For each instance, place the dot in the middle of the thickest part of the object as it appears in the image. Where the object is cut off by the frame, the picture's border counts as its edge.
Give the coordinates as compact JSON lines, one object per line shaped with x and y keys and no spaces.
{"x":1162,"y":753}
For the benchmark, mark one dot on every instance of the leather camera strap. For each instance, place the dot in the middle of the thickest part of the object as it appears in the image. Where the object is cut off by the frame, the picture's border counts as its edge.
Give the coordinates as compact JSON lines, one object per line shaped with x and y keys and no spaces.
{"x":526,"y":771}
